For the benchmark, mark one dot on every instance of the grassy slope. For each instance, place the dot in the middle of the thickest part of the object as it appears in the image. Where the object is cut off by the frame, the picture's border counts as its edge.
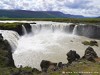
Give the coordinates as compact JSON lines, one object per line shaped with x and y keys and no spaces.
{"x":88,"y":68}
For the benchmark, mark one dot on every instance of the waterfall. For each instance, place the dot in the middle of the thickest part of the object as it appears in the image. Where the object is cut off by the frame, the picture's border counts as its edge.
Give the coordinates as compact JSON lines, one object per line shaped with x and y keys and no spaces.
{"x":75,"y":30}
{"x":24,"y":30}
{"x":47,"y":41}
{"x":36,"y":28}
{"x":12,"y":37}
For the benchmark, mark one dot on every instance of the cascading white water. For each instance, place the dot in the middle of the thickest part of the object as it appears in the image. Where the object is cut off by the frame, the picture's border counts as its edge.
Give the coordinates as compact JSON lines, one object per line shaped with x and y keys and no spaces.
{"x":24,"y":30}
{"x":36,"y":28}
{"x":45,"y":42}
{"x":75,"y":30}
{"x":12,"y":37}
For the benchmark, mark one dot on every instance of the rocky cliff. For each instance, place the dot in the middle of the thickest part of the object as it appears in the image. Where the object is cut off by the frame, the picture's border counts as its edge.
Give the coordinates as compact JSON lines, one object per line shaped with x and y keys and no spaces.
{"x":91,"y":31}
{"x":5,"y":53}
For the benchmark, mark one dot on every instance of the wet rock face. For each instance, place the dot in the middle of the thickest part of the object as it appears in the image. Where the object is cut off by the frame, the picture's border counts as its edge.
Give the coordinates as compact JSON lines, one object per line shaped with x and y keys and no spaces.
{"x":47,"y":64}
{"x":33,"y":23}
{"x":72,"y":56}
{"x":28,"y":27}
{"x":1,"y":37}
{"x":6,"y":59}
{"x":91,"y":31}
{"x":69,"y":28}
{"x":90,"y":54}
{"x":18,"y":29}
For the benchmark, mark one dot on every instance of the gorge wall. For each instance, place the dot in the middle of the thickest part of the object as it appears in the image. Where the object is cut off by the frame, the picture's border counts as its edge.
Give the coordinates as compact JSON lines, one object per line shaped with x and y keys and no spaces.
{"x":6,"y":59}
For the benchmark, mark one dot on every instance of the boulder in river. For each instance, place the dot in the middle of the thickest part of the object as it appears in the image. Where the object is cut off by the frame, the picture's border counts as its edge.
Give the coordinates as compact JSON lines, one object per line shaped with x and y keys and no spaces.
{"x":45,"y":65}
{"x":90,"y":43}
{"x":90,"y":54}
{"x":72,"y":56}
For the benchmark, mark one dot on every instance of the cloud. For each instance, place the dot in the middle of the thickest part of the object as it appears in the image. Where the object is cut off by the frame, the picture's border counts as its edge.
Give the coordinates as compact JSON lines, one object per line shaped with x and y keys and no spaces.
{"x":76,"y":7}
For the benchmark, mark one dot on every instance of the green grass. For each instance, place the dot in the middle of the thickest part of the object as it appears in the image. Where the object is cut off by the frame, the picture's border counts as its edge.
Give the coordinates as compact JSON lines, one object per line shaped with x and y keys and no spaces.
{"x":82,"y":66}
{"x":73,"y":20}
{"x":9,"y":25}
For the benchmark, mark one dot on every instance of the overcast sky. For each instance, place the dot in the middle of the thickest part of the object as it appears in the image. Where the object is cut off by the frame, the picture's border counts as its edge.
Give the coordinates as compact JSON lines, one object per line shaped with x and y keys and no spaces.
{"x":76,"y":7}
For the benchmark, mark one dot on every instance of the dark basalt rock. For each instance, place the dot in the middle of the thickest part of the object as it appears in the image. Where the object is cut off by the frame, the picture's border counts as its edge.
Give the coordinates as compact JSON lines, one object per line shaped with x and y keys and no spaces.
{"x":61,"y":65}
{"x":6,"y":59}
{"x":69,"y":28}
{"x":28,"y":27}
{"x":18,"y":29}
{"x":94,"y":43}
{"x":90,"y":54}
{"x":91,"y":31}
{"x":90,"y":43}
{"x":72,"y":56}
{"x":1,"y":37}
{"x":33,"y":23}
{"x":45,"y":65}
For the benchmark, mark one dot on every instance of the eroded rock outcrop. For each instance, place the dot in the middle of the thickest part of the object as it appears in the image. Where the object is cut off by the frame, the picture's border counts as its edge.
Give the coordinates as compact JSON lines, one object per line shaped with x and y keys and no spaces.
{"x":28,"y":27}
{"x":45,"y":65}
{"x":72,"y":56}
{"x":90,"y":54}
{"x":69,"y":28}
{"x":91,"y":31}
{"x":6,"y":59}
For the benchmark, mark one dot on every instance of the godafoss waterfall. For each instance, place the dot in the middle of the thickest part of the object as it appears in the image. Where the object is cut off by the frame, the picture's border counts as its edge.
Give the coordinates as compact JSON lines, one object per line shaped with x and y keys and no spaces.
{"x":49,"y":41}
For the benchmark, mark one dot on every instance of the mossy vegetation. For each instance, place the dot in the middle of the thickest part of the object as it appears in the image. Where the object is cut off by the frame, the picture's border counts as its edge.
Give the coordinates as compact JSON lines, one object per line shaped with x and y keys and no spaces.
{"x":9,"y":25}
{"x":90,"y":43}
{"x":83,"y":67}
{"x":18,"y":71}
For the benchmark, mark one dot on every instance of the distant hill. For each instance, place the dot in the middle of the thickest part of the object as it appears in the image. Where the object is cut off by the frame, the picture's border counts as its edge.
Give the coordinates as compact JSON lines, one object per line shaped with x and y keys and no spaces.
{"x":35,"y":14}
